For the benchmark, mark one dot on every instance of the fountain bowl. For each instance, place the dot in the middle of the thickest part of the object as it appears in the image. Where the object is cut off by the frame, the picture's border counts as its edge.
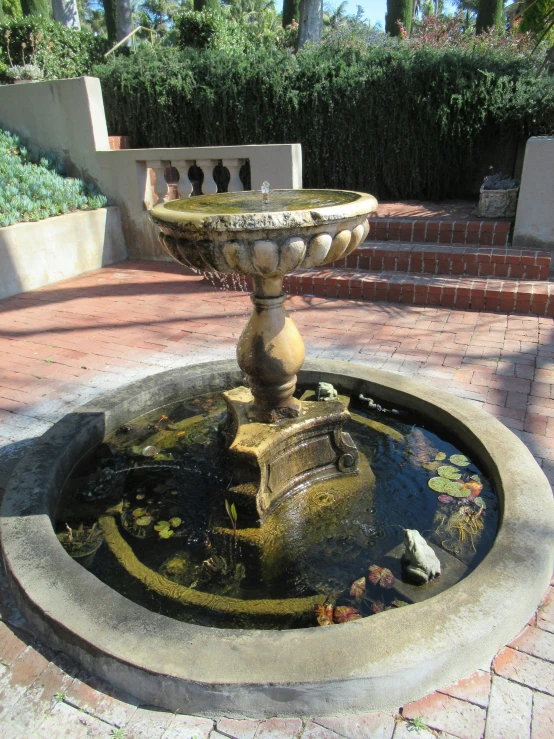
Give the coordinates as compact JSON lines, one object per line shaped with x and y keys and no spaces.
{"x":236,"y":233}
{"x":377,"y":663}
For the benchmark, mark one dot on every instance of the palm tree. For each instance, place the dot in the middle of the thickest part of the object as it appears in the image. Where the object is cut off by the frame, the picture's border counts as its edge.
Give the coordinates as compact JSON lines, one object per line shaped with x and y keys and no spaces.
{"x":311,"y":22}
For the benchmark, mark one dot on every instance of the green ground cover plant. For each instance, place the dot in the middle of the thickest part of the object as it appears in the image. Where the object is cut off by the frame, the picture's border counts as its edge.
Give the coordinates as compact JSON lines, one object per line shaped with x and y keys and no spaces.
{"x":32,"y":187}
{"x":402,"y":120}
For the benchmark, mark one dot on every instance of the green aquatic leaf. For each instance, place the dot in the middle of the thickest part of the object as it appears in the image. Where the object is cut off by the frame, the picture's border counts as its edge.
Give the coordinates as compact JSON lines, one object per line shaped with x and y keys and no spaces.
{"x":166,"y":533}
{"x":480,"y":502}
{"x":432,"y":466}
{"x":399,"y":603}
{"x":438,"y":484}
{"x":460,"y":459}
{"x":452,"y":473}
{"x":139,"y":512}
{"x":175,"y":522}
{"x":150,"y":451}
{"x":457,"y":490}
{"x":440,"y":456}
{"x":162,"y":526}
{"x":476,"y":478}
{"x":143,"y":521}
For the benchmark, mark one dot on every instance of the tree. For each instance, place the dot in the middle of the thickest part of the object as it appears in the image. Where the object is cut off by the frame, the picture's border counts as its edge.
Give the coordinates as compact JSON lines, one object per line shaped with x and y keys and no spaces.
{"x":398,"y":10}
{"x":489,"y":15}
{"x":310,"y":22}
{"x":110,"y":16}
{"x":124,"y":16}
{"x":67,"y":13}
{"x":291,"y":12}
{"x":538,"y":15}
{"x":42,"y":8}
{"x":200,"y":5}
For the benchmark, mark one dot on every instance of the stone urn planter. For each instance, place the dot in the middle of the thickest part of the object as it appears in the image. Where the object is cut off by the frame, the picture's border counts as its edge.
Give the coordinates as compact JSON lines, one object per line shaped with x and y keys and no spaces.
{"x":498,"y":197}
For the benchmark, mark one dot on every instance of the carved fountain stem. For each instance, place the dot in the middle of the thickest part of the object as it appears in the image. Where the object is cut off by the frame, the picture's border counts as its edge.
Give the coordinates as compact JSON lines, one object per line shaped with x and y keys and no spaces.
{"x":271,"y":351}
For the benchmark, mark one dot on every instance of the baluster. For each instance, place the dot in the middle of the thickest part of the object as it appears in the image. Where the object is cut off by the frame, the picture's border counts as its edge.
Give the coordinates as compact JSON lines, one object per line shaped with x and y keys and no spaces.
{"x":161,"y":187}
{"x":234,"y":167}
{"x":209,"y":186}
{"x":145,"y":185}
{"x":184,"y":185}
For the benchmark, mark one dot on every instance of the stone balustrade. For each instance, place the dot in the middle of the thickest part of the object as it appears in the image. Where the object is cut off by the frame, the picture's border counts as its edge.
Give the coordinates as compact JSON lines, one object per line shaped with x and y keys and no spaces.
{"x":183,"y":178}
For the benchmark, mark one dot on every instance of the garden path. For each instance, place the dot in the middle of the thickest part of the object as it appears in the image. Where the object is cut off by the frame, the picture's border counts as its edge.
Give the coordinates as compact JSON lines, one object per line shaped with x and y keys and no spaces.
{"x":64,"y":344}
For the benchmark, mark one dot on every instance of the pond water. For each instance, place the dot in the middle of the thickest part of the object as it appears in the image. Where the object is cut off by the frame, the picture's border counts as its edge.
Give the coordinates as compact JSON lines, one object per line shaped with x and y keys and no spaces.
{"x":157,"y":491}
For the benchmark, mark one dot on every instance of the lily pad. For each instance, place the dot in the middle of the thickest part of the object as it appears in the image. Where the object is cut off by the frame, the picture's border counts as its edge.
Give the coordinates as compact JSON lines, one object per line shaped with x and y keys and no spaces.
{"x":162,"y":526}
{"x":473,"y":487}
{"x":139,"y":512}
{"x":357,"y":589}
{"x":143,"y":521}
{"x":440,"y":456}
{"x":458,"y":491}
{"x":342,"y":614}
{"x":166,"y":533}
{"x":451,"y":473}
{"x":460,"y":459}
{"x":175,"y":522}
{"x":480,"y":502}
{"x":443,"y":485}
{"x":430,"y":465}
{"x":476,"y":478}
{"x":381,"y":576}
{"x":324,"y":614}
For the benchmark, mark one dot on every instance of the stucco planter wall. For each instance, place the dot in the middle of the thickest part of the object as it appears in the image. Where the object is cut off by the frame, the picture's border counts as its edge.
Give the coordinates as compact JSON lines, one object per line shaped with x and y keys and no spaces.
{"x":36,"y":254}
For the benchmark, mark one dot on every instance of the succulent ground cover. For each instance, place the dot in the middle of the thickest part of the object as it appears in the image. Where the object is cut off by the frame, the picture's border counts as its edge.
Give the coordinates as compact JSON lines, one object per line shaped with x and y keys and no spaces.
{"x":32,"y":186}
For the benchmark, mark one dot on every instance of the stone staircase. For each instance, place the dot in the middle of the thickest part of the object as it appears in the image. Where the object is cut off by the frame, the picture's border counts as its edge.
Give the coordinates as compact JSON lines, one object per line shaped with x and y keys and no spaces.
{"x":452,"y":262}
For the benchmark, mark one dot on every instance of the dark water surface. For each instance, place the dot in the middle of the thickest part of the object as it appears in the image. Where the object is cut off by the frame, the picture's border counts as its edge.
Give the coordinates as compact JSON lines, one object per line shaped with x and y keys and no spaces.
{"x":164,"y":480}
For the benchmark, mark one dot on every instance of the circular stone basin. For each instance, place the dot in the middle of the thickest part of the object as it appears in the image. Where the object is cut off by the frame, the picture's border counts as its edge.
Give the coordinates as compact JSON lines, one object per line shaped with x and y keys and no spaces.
{"x":376,"y":663}
{"x":237,"y":233}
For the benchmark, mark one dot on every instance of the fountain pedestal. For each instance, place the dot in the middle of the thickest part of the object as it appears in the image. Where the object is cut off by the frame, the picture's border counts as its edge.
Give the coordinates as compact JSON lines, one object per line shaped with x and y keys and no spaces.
{"x":288,"y":454}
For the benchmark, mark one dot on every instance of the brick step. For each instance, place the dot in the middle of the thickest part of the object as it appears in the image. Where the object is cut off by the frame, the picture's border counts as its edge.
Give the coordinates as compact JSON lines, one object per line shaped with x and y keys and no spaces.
{"x":470,"y":261}
{"x":469,"y":293}
{"x":436,"y":231}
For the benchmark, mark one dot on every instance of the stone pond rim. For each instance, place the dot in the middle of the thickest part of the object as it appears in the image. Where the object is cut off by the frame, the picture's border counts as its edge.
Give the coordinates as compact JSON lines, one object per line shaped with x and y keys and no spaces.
{"x":377,"y":663}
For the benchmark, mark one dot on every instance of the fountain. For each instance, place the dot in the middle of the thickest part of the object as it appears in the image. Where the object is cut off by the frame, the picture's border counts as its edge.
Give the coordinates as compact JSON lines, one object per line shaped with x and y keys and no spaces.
{"x":285,"y":488}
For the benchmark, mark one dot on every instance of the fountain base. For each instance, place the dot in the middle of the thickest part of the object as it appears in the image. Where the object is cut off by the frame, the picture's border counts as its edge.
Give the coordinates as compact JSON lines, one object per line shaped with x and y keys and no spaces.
{"x":287,"y":455}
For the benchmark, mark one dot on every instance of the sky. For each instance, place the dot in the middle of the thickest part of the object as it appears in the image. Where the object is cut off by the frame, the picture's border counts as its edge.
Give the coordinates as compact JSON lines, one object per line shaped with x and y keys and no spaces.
{"x":375,"y":10}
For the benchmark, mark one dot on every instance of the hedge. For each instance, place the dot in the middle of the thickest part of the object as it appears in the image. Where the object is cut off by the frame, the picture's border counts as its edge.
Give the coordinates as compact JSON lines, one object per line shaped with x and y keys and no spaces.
{"x":59,"y":51}
{"x":392,"y":120}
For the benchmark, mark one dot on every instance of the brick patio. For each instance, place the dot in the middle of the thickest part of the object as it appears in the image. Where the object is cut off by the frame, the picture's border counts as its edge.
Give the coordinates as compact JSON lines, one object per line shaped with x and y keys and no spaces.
{"x":64,"y":344}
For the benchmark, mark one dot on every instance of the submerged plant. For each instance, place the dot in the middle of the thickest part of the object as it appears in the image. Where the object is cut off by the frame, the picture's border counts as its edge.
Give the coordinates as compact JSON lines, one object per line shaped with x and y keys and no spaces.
{"x":232,"y":513}
{"x":381,"y":576}
{"x":82,"y":540}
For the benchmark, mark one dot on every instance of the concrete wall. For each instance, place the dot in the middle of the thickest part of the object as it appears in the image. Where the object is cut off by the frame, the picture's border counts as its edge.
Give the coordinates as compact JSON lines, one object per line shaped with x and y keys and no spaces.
{"x":534,"y":226}
{"x":36,"y":254}
{"x":67,"y":116}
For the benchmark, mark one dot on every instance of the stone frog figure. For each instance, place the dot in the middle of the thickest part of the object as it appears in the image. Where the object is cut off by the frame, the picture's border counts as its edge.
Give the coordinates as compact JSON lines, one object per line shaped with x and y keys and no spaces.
{"x":419,"y":561}
{"x":325,"y":391}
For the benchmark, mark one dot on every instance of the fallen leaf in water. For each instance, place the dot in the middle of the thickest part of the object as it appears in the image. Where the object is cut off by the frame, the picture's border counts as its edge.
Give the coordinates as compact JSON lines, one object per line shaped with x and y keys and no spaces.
{"x":357,"y":589}
{"x":381,"y":576}
{"x":473,"y":487}
{"x":446,"y":499}
{"x":342,"y":614}
{"x":324,"y":614}
{"x":378,"y":607}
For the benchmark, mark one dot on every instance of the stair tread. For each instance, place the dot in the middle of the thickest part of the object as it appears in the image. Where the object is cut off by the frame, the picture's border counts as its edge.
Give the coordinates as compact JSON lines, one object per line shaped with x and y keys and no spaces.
{"x":454,"y":249}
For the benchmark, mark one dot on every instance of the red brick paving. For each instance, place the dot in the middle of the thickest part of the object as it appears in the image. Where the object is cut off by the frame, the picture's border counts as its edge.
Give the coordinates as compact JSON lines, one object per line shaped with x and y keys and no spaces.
{"x":62,"y":345}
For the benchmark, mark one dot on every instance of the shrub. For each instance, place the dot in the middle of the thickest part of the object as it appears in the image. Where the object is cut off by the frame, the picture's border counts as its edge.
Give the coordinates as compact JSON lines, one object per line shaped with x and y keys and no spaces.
{"x":397,"y":120}
{"x":32,"y":188}
{"x":59,"y":51}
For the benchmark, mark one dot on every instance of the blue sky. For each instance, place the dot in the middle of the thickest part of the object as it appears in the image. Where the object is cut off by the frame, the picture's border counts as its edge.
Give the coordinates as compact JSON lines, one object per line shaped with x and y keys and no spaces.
{"x":375,"y":10}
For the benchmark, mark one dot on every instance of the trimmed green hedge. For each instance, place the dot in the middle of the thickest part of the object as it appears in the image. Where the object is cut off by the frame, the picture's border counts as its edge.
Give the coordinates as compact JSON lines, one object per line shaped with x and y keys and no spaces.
{"x":59,"y":51}
{"x":392,"y":120}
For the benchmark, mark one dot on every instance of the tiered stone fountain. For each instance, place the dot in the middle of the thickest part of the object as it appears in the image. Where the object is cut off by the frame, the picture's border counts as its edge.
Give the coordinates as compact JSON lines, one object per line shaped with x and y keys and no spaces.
{"x":266,"y":235}
{"x":376,"y":663}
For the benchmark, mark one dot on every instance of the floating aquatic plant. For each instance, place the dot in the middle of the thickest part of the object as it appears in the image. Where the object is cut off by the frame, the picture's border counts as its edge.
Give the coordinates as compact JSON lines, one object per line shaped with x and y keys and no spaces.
{"x":164,"y":529}
{"x":381,"y":576}
{"x":451,"y":473}
{"x":175,"y":522}
{"x":143,"y":521}
{"x":432,"y":466}
{"x":446,"y":499}
{"x":444,"y":485}
{"x":479,"y":502}
{"x":357,"y":589}
{"x":342,"y":614}
{"x":440,"y":456}
{"x":460,"y":460}
{"x":473,"y":487}
{"x":324,"y":614}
